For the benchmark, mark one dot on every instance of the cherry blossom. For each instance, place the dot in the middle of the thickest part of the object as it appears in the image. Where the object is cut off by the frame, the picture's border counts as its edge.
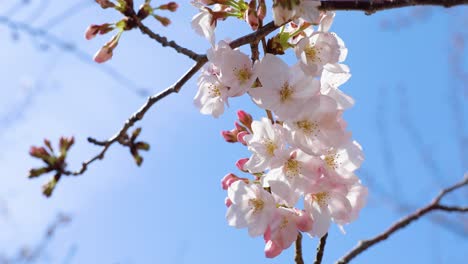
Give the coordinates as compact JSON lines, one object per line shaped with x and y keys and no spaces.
{"x":251,"y":207}
{"x":283,"y":88}
{"x":268,"y":144}
{"x":318,"y":126}
{"x":212,"y":95}
{"x":319,"y":49}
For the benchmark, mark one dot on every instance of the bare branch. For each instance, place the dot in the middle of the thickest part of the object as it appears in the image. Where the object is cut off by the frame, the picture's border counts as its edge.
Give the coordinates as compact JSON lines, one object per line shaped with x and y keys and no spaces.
{"x":372,"y":6}
{"x":434,"y":205}
{"x":166,"y":43}
{"x":321,"y":249}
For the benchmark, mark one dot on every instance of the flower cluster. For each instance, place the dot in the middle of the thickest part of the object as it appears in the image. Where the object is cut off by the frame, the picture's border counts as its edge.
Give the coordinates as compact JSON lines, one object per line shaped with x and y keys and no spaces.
{"x":302,"y":153}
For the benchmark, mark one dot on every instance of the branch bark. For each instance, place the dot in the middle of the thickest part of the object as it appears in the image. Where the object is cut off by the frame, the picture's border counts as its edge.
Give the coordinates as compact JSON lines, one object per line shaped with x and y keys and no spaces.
{"x":433,"y":206}
{"x":372,"y":6}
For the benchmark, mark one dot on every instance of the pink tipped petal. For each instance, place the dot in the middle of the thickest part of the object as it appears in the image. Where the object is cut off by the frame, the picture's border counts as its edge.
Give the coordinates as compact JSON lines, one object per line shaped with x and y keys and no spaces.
{"x":272,"y":249}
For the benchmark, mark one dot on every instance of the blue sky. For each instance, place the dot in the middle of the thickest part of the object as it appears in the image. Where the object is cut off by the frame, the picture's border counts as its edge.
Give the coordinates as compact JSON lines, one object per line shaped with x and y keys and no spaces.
{"x":410,"y":117}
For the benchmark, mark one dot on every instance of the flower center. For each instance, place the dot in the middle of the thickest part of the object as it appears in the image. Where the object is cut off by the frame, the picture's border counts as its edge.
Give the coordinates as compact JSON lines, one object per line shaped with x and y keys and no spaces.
{"x":311,"y":53}
{"x":307,"y":126}
{"x":257,"y":205}
{"x":243,"y":75}
{"x":321,"y":198}
{"x":270,"y":147}
{"x":284,"y":222}
{"x":214,"y":91}
{"x":291,"y":168}
{"x":286,"y":92}
{"x":330,"y":160}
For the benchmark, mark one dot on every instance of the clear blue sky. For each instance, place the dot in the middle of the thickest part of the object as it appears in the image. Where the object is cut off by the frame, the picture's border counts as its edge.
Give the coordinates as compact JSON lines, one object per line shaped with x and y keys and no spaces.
{"x":410,"y":117}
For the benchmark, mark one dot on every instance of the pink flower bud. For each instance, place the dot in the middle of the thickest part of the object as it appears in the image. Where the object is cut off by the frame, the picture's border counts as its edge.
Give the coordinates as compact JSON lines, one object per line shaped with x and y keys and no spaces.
{"x":251,"y":15}
{"x":105,"y":3}
{"x":261,"y":11}
{"x":103,"y":55}
{"x":272,"y":249}
{"x":304,"y":221}
{"x":171,"y":6}
{"x":239,"y":128}
{"x":92,"y":31}
{"x":240,"y":137}
{"x":240,"y":164}
{"x":227,"y":202}
{"x":245,"y":118}
{"x":228,"y":180}
{"x":229,"y":136}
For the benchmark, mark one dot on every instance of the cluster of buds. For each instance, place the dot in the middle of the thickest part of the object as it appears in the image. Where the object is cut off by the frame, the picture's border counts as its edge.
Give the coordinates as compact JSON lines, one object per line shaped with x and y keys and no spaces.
{"x":242,"y":127}
{"x":135,"y":146}
{"x":301,"y":155}
{"x":53,"y":162}
{"x":127,"y":23}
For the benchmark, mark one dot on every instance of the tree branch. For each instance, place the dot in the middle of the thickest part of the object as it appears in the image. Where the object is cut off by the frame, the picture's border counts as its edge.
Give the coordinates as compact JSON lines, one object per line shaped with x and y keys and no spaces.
{"x":298,"y":257}
{"x":321,"y":249}
{"x":372,"y":6}
{"x":434,"y":205}
{"x":175,"y":88}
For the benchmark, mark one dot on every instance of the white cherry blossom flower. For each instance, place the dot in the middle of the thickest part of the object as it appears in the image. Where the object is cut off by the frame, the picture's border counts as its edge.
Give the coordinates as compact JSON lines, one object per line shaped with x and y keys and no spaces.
{"x":283,"y":88}
{"x":318,"y":50}
{"x":204,"y":23}
{"x":251,"y":206}
{"x":212,"y":95}
{"x":291,"y":178}
{"x":318,"y":126}
{"x":344,"y":160}
{"x":235,"y":68}
{"x":268,"y":144}
{"x":333,"y":76}
{"x":285,"y":10}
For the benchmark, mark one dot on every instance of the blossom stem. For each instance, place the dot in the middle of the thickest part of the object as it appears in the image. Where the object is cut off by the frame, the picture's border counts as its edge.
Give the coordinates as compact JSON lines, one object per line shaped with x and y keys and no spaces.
{"x":298,"y":257}
{"x":321,"y":249}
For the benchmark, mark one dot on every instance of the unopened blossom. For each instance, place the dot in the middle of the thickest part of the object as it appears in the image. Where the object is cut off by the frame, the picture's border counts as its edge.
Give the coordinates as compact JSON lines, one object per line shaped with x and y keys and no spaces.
{"x":333,"y":76}
{"x":318,"y":126}
{"x":283,"y":88}
{"x":268,"y":146}
{"x":251,"y":207}
{"x":212,"y":95}
{"x":318,"y":50}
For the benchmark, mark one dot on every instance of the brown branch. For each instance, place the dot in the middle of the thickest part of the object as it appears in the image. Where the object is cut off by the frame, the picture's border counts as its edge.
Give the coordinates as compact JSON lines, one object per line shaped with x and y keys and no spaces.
{"x":370,"y":6}
{"x":254,"y":37}
{"x":175,"y":88}
{"x":166,"y":43}
{"x":298,"y":257}
{"x":321,"y":249}
{"x":433,"y":206}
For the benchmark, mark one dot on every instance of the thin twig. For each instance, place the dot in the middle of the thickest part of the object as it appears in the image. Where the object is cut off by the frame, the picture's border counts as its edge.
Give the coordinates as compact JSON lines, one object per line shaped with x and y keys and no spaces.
{"x":433,"y":206}
{"x":321,"y":249}
{"x":175,"y":88}
{"x":298,"y":257}
{"x":372,"y":6}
